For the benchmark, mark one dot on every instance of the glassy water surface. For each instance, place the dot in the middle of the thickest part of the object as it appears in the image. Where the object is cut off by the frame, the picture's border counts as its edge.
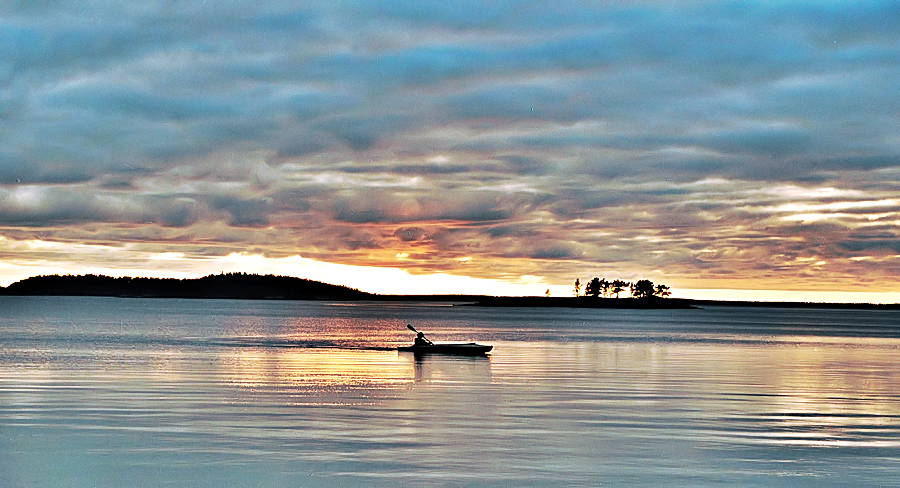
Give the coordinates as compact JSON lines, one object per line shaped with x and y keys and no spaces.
{"x":132,"y":392}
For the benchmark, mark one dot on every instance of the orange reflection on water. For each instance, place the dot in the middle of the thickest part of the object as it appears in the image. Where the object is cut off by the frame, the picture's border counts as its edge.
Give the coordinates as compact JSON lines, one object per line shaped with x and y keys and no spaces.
{"x":315,"y":368}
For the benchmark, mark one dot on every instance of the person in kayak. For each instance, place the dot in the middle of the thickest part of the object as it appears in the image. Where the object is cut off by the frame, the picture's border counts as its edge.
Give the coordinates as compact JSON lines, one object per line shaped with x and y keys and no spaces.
{"x":421,"y":340}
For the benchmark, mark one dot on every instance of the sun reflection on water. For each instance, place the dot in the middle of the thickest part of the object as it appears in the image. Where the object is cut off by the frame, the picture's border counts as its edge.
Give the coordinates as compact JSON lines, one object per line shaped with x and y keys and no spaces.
{"x":834,"y":393}
{"x":315,"y":368}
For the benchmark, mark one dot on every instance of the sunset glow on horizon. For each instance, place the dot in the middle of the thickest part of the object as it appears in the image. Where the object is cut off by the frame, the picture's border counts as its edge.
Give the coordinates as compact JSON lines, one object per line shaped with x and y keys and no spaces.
{"x":458,"y":147}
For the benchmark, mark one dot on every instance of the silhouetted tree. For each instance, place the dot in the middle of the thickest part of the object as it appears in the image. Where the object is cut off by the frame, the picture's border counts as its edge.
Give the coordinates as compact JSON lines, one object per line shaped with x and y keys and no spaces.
{"x":604,"y":287}
{"x":618,"y":286}
{"x":592,"y":288}
{"x":642,"y":289}
{"x":577,"y":287}
{"x":662,"y":291}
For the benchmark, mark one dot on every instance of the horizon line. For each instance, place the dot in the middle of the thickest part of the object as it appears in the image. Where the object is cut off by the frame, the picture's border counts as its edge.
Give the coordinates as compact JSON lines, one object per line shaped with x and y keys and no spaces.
{"x":675,"y":296}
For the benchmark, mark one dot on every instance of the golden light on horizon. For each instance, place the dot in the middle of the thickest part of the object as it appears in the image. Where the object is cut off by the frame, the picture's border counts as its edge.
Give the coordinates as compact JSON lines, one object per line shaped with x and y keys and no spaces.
{"x":42,"y":257}
{"x":385,"y":280}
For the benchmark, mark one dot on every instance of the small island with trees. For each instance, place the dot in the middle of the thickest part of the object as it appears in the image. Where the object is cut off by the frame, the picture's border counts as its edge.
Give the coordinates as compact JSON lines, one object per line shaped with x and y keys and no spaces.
{"x":600,"y":293}
{"x":639,"y":289}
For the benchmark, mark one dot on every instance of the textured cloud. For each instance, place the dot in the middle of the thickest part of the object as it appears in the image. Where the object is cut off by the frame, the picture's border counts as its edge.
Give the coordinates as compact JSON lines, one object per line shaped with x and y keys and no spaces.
{"x":704,"y":144}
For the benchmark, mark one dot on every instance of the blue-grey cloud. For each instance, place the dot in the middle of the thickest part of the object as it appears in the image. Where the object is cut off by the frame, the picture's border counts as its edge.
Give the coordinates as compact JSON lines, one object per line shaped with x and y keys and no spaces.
{"x":727,"y":140}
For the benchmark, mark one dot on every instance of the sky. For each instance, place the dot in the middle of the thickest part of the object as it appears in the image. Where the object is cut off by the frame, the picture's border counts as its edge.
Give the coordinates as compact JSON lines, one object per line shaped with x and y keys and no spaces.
{"x":726,"y":149}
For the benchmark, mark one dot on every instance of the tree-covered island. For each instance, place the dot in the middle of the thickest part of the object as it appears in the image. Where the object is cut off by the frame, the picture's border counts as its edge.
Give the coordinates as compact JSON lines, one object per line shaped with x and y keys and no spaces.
{"x":225,"y":285}
{"x":601,"y":293}
{"x":639,"y":289}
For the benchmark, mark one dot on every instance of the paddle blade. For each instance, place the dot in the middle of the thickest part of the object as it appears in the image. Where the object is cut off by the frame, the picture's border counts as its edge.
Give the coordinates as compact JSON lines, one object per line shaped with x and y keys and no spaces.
{"x":410,"y":327}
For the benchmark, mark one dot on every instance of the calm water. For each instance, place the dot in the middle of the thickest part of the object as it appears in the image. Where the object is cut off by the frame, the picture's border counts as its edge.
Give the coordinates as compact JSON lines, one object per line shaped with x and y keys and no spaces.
{"x":130,"y":392}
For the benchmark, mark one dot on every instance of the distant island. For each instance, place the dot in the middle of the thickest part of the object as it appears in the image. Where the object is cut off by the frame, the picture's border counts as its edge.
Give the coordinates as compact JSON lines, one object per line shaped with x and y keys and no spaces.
{"x":586,"y":302}
{"x":271,"y":287}
{"x":226,"y":285}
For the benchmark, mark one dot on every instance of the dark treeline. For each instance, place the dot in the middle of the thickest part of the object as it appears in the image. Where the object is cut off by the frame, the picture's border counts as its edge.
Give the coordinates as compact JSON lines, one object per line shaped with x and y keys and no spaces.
{"x":230,"y":285}
{"x":601,"y":287}
{"x":581,"y":302}
{"x":603,"y":293}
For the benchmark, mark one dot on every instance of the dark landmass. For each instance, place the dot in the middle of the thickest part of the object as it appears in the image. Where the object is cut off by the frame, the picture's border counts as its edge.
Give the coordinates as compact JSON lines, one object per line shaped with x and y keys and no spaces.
{"x":661,"y":303}
{"x":231,"y":285}
{"x":586,"y":302}
{"x":741,"y":303}
{"x":457,"y":299}
{"x":226,"y":286}
{"x":270,"y":287}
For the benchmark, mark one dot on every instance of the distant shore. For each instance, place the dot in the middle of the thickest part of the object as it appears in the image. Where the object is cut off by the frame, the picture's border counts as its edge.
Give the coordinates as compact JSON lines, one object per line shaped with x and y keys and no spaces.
{"x":270,"y":287}
{"x":659,"y":303}
{"x":585,"y":302}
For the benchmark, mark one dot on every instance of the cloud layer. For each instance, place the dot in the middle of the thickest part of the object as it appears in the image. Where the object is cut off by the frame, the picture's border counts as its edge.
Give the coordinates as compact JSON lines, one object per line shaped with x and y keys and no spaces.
{"x":702,"y":144}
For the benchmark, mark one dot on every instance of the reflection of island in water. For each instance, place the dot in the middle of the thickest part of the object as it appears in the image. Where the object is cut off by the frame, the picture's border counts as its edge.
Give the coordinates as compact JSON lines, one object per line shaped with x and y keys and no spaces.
{"x":435,"y":368}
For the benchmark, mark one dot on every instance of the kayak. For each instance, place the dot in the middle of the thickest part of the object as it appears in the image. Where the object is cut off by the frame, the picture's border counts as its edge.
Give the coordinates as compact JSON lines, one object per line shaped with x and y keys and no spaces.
{"x":462,"y":348}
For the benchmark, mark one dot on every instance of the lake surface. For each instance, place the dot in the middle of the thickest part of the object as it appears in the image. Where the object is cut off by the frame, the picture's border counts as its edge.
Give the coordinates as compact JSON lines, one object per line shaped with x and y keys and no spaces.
{"x":130,"y":392}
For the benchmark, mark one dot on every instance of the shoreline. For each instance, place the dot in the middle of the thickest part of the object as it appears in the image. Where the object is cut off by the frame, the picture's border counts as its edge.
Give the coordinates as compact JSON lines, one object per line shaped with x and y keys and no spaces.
{"x":242,"y":286}
{"x":511,"y":302}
